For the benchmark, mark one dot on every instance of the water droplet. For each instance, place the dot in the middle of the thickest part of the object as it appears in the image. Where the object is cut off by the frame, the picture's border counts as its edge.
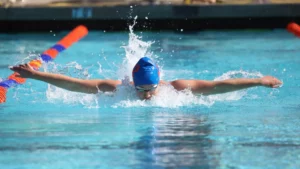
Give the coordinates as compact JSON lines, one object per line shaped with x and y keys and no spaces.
{"x":181,"y":30}
{"x":146,"y":17}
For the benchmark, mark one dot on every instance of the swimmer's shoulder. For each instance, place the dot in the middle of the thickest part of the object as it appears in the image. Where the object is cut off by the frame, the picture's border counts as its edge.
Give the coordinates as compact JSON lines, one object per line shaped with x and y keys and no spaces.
{"x":177,"y":84}
{"x":162,"y":82}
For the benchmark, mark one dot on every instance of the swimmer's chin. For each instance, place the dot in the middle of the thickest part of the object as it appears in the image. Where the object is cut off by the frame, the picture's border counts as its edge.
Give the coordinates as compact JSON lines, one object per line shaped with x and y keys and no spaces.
{"x":143,"y":99}
{"x":146,"y":99}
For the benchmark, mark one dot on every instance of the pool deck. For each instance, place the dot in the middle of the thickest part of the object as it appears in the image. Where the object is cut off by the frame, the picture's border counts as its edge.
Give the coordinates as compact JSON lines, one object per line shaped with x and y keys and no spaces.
{"x":150,"y":17}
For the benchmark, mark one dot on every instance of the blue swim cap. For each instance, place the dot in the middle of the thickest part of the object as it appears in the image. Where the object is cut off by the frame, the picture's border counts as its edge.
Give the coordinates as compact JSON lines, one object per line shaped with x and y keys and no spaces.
{"x":145,"y":72}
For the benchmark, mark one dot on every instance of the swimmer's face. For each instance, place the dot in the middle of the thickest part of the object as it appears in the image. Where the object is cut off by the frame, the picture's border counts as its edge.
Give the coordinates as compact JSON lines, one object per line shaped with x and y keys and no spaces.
{"x":145,"y":92}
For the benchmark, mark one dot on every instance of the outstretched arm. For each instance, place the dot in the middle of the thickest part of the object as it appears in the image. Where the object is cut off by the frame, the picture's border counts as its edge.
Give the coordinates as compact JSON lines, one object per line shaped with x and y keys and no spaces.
{"x":66,"y":82}
{"x":223,"y":86}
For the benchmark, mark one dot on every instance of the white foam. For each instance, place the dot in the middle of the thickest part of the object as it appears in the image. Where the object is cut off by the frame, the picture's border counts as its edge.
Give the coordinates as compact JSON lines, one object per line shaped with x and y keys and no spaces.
{"x":73,"y":69}
{"x":239,"y":74}
{"x":55,"y":94}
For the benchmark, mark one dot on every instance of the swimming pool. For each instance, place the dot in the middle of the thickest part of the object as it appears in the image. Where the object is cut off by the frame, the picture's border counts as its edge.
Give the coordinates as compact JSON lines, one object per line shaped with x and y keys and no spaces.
{"x":45,"y":127}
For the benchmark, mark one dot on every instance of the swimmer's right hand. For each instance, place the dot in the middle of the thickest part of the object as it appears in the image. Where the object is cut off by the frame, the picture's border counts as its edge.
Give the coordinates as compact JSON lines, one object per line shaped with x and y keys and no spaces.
{"x":270,"y":81}
{"x":24,"y":70}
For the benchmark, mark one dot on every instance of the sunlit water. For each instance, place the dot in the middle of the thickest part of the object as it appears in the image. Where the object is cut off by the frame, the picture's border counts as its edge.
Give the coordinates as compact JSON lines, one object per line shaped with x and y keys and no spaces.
{"x":42,"y":126}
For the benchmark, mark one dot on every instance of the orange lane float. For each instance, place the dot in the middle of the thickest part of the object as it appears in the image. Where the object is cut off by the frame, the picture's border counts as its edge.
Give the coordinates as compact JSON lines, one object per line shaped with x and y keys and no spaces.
{"x":48,"y":55}
{"x":294,"y":28}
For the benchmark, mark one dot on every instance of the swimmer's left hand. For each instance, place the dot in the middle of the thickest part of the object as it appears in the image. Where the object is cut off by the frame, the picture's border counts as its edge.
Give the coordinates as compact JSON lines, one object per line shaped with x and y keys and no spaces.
{"x":24,"y":70}
{"x":270,"y":81}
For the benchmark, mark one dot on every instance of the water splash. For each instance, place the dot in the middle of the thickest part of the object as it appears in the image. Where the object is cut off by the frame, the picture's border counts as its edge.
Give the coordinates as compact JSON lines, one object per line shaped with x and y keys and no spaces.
{"x":236,"y":95}
{"x":73,"y":69}
{"x":167,"y":97}
{"x":239,"y":74}
{"x":135,"y":50}
{"x":55,"y":94}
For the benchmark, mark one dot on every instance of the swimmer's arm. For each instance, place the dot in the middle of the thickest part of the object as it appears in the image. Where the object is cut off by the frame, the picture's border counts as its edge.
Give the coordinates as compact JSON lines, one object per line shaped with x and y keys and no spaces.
{"x":77,"y":85}
{"x":66,"y":82}
{"x":223,"y":86}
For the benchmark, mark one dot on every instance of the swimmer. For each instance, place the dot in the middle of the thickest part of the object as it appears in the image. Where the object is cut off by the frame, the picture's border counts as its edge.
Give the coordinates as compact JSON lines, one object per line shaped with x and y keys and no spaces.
{"x":146,"y":80}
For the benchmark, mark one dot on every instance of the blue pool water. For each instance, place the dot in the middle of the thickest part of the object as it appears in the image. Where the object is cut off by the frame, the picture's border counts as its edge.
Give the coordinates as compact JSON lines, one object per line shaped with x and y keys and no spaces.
{"x":45,"y":127}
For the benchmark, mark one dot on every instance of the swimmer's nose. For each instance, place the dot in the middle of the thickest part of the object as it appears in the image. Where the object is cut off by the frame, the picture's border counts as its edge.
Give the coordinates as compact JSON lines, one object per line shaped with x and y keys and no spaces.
{"x":147,"y":95}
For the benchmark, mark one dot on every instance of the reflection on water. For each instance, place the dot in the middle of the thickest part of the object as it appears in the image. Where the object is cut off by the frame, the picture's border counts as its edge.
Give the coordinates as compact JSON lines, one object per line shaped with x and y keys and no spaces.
{"x":131,"y":139}
{"x":178,"y":140}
